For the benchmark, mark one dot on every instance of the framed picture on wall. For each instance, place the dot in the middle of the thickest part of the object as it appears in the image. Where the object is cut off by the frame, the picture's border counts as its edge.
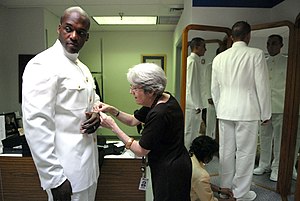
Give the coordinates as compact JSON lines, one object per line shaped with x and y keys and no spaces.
{"x":11,"y":126}
{"x":159,"y":59}
{"x":23,"y":60}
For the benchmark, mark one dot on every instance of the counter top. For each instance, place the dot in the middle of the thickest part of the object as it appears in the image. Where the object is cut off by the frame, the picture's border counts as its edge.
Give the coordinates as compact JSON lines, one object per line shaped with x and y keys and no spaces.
{"x":127,"y":154}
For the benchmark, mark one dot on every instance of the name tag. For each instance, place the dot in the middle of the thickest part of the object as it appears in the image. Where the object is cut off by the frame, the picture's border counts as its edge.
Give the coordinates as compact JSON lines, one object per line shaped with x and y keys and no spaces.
{"x":143,"y":184}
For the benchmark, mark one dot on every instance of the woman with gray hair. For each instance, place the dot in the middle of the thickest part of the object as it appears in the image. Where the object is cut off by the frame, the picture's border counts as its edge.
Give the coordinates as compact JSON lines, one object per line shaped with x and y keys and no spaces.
{"x":162,"y":139}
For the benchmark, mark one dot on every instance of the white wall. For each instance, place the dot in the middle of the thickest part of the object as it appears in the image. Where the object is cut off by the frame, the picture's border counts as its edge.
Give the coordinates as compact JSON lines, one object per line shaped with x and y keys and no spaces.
{"x":287,"y":10}
{"x":51,"y":23}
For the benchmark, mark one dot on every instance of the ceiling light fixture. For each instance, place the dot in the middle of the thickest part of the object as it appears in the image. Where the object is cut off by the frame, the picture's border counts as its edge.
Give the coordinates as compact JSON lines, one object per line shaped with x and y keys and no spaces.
{"x":125,"y":20}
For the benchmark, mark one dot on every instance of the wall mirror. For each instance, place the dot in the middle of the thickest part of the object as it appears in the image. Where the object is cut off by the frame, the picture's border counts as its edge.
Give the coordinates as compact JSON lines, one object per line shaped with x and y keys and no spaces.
{"x":208,"y":33}
{"x":285,"y":185}
{"x":213,"y":37}
{"x":266,"y":138}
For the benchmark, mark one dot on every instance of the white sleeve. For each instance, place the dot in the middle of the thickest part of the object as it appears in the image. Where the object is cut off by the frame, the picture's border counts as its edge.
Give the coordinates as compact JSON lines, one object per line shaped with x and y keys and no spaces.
{"x":38,"y":104}
{"x":195,"y":85}
{"x":263,"y":87}
{"x":215,"y":90}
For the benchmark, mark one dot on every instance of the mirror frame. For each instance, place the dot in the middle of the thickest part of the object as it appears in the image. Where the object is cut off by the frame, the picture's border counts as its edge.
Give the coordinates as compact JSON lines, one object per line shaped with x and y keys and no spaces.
{"x":290,"y":118}
{"x":184,"y":54}
{"x":289,"y":132}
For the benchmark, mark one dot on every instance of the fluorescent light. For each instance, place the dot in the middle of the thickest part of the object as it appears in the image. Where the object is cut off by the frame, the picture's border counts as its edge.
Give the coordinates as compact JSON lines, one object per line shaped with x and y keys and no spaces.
{"x":125,"y":20}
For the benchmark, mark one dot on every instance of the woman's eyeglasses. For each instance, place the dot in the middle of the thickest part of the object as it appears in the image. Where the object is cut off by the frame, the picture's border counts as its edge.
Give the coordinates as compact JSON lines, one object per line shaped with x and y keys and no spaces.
{"x":134,"y":88}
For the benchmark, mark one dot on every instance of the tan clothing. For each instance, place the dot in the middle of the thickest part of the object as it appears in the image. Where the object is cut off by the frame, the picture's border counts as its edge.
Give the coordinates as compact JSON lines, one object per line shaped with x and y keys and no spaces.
{"x":200,"y":189}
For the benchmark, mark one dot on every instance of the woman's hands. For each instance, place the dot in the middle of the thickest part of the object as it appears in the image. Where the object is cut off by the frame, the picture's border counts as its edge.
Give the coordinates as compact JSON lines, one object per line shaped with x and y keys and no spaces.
{"x":228,"y":193}
{"x":103,"y":107}
{"x":107,"y":121}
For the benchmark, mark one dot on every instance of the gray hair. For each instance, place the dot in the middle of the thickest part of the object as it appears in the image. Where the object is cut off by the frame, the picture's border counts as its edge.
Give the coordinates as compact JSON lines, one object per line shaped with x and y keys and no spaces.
{"x":149,"y":76}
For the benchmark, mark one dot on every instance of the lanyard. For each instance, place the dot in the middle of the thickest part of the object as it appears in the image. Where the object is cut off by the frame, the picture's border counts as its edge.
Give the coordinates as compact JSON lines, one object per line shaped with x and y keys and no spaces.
{"x":143,"y":166}
{"x":144,"y":181}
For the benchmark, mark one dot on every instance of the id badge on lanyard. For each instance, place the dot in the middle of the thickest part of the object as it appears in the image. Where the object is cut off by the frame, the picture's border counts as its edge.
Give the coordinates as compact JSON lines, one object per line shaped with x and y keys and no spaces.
{"x":144,"y":180}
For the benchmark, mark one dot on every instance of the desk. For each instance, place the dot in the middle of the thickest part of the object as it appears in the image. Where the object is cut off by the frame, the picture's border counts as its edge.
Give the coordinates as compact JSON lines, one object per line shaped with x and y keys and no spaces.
{"x":119,"y":180}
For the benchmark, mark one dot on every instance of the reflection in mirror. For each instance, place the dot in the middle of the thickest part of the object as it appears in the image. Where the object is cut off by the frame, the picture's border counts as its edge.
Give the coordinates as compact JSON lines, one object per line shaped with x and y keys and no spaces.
{"x":259,"y":38}
{"x":200,"y":117}
{"x":274,"y":42}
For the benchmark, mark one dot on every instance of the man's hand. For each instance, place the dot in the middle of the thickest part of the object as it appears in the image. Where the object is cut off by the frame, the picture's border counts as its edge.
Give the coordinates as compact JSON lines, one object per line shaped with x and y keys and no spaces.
{"x":210,"y":101}
{"x":263,"y":123}
{"x":226,"y":191}
{"x":91,"y":124}
{"x":62,"y":192}
{"x":198,"y":110}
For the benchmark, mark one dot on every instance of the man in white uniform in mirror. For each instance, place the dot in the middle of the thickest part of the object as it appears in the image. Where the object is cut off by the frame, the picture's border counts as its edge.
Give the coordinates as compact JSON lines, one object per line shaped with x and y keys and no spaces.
{"x":195,"y":89}
{"x":270,"y":134}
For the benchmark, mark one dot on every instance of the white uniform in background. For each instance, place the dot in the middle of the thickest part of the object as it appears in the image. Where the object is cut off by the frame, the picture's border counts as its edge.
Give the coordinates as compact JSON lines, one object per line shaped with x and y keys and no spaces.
{"x":57,"y":91}
{"x":270,"y":134}
{"x":277,"y":66}
{"x":241,"y":94}
{"x":194,"y":98}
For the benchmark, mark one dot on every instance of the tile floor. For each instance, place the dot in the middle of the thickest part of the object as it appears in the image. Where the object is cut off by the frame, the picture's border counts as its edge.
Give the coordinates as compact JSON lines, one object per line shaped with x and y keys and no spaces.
{"x":262,"y":185}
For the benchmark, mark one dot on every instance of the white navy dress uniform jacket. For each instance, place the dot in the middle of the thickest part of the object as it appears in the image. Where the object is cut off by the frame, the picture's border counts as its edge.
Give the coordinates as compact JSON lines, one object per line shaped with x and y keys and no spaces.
{"x":277,"y":66}
{"x":194,"y":98}
{"x":195,"y":83}
{"x":240,"y":99}
{"x":57,"y":91}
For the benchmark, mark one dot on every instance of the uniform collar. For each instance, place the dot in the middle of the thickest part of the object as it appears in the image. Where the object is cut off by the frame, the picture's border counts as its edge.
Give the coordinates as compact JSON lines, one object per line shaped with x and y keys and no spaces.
{"x":73,"y":57}
{"x":276,"y":56}
{"x":195,"y":56}
{"x":239,"y":44}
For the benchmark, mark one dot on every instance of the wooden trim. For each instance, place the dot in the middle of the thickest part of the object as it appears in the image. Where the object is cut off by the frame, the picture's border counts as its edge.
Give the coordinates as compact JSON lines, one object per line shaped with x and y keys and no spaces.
{"x":297,"y":67}
{"x":287,"y":23}
{"x":290,"y":119}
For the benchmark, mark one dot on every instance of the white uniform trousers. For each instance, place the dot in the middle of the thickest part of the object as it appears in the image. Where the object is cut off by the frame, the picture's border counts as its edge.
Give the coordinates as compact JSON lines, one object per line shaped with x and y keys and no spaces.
{"x":85,"y":195}
{"x":270,"y":134}
{"x":237,"y":154}
{"x":211,"y":121}
{"x":191,"y":127}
